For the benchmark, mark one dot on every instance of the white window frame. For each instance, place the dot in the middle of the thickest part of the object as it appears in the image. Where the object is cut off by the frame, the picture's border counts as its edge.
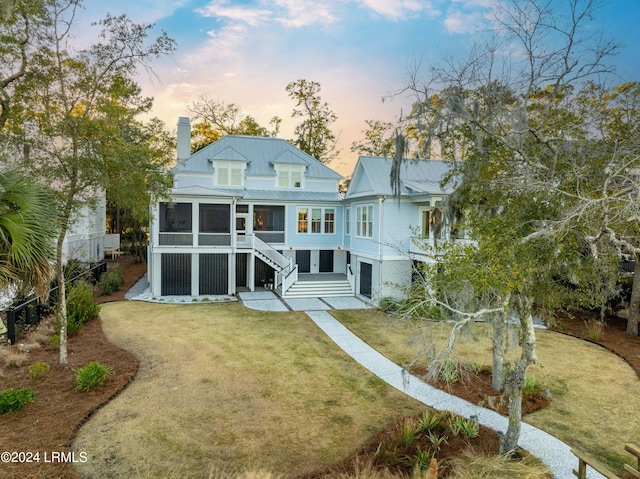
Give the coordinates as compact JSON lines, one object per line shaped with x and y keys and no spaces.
{"x":224,"y":173}
{"x":364,"y":222}
{"x":286,"y":176}
{"x":315,"y":220}
{"x":347,"y":221}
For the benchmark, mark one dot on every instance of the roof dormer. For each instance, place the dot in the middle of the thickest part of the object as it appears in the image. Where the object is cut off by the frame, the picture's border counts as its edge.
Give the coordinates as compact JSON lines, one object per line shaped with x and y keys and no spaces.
{"x":228,"y":168}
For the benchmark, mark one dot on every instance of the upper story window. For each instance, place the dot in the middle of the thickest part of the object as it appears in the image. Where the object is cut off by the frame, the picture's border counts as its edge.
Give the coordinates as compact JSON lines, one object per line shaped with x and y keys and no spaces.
{"x":347,"y":220}
{"x":229,"y":173}
{"x":364,"y":221}
{"x":289,"y":176}
{"x":175,"y":218}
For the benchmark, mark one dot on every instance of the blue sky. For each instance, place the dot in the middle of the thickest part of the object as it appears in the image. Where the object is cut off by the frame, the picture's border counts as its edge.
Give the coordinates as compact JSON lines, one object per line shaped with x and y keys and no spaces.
{"x":247,"y":51}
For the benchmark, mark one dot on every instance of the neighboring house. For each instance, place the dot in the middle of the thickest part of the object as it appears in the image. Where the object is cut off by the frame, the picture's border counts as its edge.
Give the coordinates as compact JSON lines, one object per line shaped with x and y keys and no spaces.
{"x":85,"y":240}
{"x":252,"y":212}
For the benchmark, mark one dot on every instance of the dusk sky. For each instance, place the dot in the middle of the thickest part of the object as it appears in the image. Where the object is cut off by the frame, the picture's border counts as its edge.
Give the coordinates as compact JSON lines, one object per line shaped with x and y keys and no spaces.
{"x":247,"y":51}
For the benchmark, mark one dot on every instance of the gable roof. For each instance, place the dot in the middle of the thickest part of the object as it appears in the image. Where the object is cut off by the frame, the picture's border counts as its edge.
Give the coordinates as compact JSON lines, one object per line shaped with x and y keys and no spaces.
{"x":259,"y":152}
{"x":372,"y":177}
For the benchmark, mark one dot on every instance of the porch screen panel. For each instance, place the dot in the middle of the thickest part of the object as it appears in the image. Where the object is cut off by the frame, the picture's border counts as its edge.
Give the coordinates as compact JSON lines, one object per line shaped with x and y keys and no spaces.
{"x":176,"y":274}
{"x":214,"y":277}
{"x":365,"y":279}
{"x":268,"y":223}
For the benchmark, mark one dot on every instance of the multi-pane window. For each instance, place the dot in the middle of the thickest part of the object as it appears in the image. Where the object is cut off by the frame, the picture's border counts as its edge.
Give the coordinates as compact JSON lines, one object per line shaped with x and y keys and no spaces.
{"x":347,"y":220}
{"x":329,"y":220}
{"x":303,"y":220}
{"x":364,"y":221}
{"x":316,"y":220}
{"x":289,"y":176}
{"x":229,"y":173}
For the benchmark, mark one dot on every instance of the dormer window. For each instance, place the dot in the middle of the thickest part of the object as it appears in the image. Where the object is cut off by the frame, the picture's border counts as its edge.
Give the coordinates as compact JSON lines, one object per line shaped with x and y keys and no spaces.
{"x":229,"y":173}
{"x":289,"y":176}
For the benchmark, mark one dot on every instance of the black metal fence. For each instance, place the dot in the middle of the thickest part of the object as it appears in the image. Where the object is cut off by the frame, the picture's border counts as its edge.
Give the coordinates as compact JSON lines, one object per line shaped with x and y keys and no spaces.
{"x":22,"y":317}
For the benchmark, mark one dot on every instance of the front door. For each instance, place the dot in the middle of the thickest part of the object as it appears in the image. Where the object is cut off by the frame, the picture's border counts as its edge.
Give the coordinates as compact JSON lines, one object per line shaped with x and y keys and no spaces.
{"x":242,"y":219}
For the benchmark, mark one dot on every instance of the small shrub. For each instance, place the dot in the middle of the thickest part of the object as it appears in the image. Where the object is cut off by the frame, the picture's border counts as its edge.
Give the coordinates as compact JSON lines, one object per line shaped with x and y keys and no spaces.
{"x":459,"y":425}
{"x":408,"y":433}
{"x":15,"y":399}
{"x":111,"y":281}
{"x":595,"y":329}
{"x":54,"y":340}
{"x":448,"y":371}
{"x":473,"y":465}
{"x":92,"y":375}
{"x":80,"y":307}
{"x":429,"y":421}
{"x":532,"y":387}
{"x":38,"y":369}
{"x":14,"y":358}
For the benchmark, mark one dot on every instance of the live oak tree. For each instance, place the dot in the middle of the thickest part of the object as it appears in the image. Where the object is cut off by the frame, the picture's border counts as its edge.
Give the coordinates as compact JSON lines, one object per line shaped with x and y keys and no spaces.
{"x":313,"y":134}
{"x":215,"y":119}
{"x":83,"y":104}
{"x":509,"y":124}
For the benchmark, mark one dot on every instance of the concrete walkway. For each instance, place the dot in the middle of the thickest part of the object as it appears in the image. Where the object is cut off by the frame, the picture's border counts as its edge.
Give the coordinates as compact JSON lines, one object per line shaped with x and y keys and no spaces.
{"x":553,"y":452}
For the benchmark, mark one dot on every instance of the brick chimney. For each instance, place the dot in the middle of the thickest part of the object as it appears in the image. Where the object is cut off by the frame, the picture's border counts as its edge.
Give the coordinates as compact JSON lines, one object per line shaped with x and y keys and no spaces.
{"x":184,"y":138}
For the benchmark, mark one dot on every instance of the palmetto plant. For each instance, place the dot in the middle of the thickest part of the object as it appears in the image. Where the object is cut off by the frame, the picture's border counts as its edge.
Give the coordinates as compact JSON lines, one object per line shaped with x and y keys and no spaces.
{"x":27,"y":228}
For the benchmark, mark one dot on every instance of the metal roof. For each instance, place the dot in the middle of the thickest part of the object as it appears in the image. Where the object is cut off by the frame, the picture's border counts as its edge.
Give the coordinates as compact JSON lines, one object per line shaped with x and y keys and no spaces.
{"x":417,"y":177}
{"x":202,"y":191}
{"x":259,"y":152}
{"x":290,"y":195}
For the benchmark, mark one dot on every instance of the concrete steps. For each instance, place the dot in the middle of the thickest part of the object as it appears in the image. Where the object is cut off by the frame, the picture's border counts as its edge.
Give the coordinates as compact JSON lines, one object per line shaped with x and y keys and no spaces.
{"x":317,"y":289}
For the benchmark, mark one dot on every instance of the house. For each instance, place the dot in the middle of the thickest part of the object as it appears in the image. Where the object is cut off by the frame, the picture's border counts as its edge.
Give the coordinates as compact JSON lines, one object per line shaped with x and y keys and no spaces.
{"x":386,"y":232}
{"x":253,"y":212}
{"x":85,"y":240}
{"x":247,"y":212}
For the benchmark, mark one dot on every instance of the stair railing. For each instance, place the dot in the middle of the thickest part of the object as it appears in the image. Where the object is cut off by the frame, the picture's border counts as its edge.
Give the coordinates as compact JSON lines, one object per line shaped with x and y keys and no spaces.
{"x":269,"y":253}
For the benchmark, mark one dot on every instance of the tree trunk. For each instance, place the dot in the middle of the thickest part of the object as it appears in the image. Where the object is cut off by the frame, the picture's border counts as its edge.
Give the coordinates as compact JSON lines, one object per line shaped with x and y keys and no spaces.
{"x":62,"y":299}
{"x":497,"y":373}
{"x":515,"y":381}
{"x":634,"y":303}
{"x":62,"y":287}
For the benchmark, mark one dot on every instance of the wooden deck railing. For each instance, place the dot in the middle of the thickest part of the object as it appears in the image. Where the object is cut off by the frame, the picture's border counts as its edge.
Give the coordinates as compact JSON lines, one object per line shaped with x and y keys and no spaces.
{"x":635,"y":451}
{"x":585,"y":460}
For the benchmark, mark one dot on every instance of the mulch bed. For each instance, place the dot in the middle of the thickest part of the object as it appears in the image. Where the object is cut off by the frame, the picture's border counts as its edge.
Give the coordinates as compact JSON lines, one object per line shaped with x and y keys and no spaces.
{"x":476,"y":388}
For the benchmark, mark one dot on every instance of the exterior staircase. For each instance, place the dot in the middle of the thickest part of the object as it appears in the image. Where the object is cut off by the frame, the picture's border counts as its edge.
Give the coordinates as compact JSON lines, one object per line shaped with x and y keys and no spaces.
{"x":319,"y":288}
